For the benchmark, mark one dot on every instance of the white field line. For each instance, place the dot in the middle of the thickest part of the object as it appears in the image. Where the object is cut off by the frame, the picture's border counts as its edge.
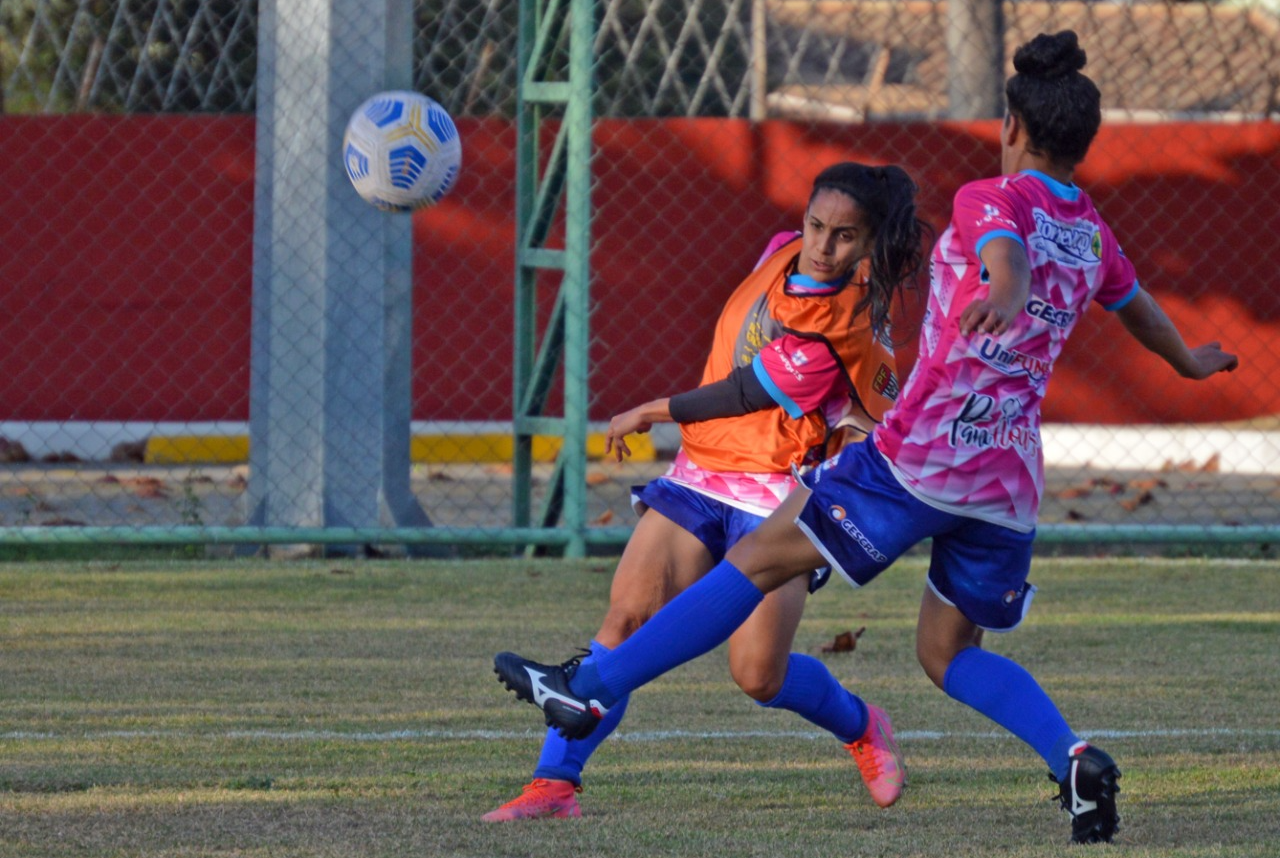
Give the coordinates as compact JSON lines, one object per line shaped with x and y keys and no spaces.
{"x":633,"y":736}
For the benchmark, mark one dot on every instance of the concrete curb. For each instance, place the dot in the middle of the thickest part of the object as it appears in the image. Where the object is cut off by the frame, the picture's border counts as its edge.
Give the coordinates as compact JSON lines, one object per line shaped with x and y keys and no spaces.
{"x":1134,"y":448}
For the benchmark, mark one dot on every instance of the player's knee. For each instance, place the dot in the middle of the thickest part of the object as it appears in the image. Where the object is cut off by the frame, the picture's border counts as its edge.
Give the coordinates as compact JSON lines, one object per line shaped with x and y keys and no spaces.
{"x":619,"y":624}
{"x":761,"y":682}
{"x":934,"y":660}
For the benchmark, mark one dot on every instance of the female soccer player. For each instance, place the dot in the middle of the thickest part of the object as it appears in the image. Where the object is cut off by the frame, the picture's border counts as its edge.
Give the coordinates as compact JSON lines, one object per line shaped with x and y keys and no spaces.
{"x":800,"y":351}
{"x":957,"y":458}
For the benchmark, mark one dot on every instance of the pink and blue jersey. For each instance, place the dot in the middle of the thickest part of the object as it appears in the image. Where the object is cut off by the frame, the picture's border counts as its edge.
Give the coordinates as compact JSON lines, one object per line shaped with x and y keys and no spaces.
{"x":964,"y":435}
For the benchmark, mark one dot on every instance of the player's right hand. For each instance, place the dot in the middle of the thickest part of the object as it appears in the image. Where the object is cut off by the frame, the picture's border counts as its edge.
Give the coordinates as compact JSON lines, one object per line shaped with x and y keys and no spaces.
{"x":620,"y":426}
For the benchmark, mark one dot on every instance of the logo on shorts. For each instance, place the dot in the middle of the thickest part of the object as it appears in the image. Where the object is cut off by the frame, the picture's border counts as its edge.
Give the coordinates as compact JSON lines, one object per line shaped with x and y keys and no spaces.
{"x":1012,"y":596}
{"x":838,"y":514}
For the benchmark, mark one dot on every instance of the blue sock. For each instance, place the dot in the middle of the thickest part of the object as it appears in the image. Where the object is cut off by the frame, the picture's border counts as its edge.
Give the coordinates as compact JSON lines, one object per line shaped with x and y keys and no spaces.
{"x":1004,"y":692}
{"x":695,"y":622}
{"x":562,"y":759}
{"x":810,"y":691}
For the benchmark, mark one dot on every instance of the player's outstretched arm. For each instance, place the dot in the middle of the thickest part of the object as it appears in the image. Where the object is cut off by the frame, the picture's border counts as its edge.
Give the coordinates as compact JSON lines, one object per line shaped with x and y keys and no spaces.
{"x":639,"y":419}
{"x":1009,"y":273}
{"x":1143,"y":318}
{"x":743,"y":391}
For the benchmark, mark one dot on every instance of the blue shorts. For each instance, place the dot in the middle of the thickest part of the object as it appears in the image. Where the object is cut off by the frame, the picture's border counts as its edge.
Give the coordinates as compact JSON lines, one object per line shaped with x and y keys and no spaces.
{"x":862,"y":519}
{"x":716,"y":524}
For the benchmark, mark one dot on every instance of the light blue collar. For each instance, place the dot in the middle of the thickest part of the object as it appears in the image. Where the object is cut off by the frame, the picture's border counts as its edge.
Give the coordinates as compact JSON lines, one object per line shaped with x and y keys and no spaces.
{"x":1070,"y":193}
{"x":805,"y":285}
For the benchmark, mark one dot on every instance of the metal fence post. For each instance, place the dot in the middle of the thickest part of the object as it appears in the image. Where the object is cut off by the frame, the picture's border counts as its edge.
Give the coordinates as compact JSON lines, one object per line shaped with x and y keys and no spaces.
{"x":567,"y":334}
{"x":975,"y":52}
{"x":329,"y":404}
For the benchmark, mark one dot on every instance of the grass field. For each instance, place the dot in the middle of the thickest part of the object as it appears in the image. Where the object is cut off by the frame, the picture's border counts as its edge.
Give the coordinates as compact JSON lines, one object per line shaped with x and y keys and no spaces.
{"x":347,"y":708}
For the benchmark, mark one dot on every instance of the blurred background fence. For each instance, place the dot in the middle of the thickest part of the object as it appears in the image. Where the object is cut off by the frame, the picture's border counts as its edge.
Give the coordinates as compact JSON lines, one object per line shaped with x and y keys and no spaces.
{"x":127,"y":194}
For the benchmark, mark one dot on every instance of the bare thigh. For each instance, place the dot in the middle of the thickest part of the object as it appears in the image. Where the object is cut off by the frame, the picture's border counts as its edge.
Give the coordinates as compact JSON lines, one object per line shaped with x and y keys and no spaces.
{"x":660,"y":560}
{"x":777,"y":551}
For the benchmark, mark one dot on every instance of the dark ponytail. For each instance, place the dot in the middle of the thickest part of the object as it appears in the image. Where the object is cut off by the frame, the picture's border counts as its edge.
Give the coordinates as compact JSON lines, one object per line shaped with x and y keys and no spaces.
{"x":1060,"y":107}
{"x":888,"y":197}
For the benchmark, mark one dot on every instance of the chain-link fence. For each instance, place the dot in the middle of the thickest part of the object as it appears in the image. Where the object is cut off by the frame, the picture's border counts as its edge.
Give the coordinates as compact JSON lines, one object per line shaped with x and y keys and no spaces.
{"x":127,"y":159}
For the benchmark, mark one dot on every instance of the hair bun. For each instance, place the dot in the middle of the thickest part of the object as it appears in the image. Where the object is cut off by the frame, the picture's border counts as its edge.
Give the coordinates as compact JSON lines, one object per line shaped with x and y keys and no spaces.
{"x":1050,"y":56}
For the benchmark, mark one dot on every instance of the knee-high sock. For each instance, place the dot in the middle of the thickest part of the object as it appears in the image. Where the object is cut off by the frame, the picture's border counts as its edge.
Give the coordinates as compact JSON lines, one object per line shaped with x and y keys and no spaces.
{"x":563,"y":759}
{"x":1009,"y":695}
{"x":695,"y":622}
{"x":814,"y":694}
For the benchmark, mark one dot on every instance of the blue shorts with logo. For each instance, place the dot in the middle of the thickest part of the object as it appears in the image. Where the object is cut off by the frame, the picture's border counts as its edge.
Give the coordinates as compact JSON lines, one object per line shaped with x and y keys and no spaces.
{"x":716,"y":524}
{"x":862,"y":519}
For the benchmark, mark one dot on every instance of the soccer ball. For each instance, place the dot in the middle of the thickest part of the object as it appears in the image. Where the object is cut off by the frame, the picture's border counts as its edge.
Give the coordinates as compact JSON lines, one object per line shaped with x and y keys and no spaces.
{"x":401,"y":151}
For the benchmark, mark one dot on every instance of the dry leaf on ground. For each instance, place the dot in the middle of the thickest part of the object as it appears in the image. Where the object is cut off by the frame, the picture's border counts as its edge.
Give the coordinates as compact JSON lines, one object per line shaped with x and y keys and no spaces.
{"x":844,"y":642}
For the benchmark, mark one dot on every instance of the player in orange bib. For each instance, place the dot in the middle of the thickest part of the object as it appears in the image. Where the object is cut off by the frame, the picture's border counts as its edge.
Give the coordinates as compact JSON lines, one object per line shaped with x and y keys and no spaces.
{"x":802,"y":356}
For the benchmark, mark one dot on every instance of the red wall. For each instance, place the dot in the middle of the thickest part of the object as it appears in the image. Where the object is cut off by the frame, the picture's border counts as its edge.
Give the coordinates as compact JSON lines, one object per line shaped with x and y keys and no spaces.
{"x":126,"y":256}
{"x":125,"y":260}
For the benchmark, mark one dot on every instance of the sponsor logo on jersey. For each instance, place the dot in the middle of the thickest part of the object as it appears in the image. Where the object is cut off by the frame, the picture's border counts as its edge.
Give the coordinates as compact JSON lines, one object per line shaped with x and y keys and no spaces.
{"x":992,"y":214}
{"x":1073,"y":244}
{"x":757,"y":331}
{"x":885,"y":383}
{"x":1046,"y":312}
{"x":789,"y":362}
{"x":1013,"y":362}
{"x":981,"y":424}
{"x":836,"y":512}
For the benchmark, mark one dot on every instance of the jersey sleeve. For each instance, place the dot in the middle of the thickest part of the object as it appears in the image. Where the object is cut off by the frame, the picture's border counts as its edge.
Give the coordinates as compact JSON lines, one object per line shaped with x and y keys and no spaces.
{"x":775,"y":244}
{"x":799,"y":374}
{"x":982,"y":211}
{"x":740,"y":392}
{"x":1119,"y":282}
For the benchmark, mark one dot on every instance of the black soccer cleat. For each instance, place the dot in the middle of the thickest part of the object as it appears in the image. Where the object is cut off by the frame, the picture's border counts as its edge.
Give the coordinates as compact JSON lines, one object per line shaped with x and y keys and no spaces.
{"x":1089,"y":794}
{"x":547,"y":687}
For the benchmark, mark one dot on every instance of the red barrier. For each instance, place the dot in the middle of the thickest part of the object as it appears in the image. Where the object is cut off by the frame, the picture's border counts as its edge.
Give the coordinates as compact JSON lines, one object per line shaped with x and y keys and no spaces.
{"x":126,"y":259}
{"x":125,"y":267}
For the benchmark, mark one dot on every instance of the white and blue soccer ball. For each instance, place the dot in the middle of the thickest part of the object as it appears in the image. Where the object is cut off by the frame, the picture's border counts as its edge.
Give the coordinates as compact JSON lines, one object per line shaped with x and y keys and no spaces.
{"x":401,"y":151}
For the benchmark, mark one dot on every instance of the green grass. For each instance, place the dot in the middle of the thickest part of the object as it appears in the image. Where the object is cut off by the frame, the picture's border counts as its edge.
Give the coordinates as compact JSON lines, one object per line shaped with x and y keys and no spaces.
{"x":347,"y":708}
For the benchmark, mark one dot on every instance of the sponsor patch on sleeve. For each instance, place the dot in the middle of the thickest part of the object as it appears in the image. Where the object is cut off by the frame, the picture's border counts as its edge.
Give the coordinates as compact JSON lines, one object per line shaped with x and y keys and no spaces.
{"x":885,"y":383}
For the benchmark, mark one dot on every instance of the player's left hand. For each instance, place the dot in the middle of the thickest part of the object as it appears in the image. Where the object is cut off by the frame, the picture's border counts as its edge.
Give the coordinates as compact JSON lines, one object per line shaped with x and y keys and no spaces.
{"x":1208,"y":359}
{"x":987,"y":316}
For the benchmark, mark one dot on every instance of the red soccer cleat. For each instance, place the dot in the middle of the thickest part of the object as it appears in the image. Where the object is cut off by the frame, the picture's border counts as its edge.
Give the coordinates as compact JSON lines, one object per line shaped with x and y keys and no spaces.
{"x":540,"y":799}
{"x":879,"y":759}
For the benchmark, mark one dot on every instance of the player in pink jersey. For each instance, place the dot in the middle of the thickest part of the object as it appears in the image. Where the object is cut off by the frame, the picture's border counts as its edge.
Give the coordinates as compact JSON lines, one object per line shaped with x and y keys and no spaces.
{"x":958,"y":458}
{"x":799,"y":352}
